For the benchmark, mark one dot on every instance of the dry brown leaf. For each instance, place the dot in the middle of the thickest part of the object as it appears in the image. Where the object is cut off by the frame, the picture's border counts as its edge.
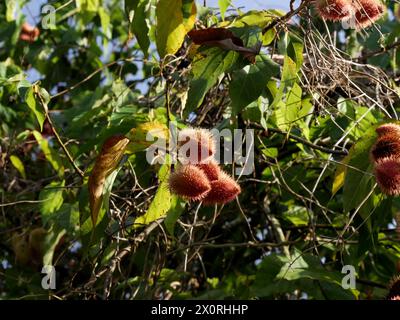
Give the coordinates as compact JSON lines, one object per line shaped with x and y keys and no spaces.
{"x":110,"y":155}
{"x":224,"y":39}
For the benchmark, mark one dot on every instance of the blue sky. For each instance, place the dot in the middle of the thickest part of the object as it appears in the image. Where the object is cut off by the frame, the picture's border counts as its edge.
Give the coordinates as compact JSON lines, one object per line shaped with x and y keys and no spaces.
{"x":32,"y":13}
{"x":32,"y":9}
{"x":255,"y":4}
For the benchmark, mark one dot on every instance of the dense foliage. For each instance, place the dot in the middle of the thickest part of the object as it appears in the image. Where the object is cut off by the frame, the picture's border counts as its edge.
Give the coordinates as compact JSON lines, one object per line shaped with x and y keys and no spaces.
{"x":313,"y":91}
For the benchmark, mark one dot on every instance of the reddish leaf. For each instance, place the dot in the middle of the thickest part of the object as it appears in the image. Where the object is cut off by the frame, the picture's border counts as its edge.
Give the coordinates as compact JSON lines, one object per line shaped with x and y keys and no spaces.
{"x":224,"y":39}
{"x":203,"y":36}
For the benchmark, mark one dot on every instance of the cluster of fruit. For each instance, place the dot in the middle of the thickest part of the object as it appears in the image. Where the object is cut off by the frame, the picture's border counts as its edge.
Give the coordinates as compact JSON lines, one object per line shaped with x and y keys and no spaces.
{"x":29,"y":33}
{"x":385,"y":154}
{"x":394,"y":289}
{"x":199,"y":177}
{"x":363,"y":12}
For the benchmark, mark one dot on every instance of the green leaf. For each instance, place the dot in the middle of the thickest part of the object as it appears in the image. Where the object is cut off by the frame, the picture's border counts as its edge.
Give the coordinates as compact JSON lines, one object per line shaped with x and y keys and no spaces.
{"x":189,"y":11}
{"x":287,"y":113}
{"x":139,"y":14}
{"x":17,"y":163}
{"x":88,"y":5}
{"x":87,"y":9}
{"x":177,"y":207}
{"x":297,"y":215}
{"x":206,"y":72}
{"x":358,"y":173}
{"x":258,"y":18}
{"x":294,"y":50}
{"x":105,"y":25}
{"x":161,"y":202}
{"x":25,"y":90}
{"x":52,"y":239}
{"x":223,"y":5}
{"x":11,"y":6}
{"x":171,"y":28}
{"x":249,"y":83}
{"x":67,"y":217}
{"x":51,"y":198}
{"x":52,"y":157}
{"x":340,"y":174}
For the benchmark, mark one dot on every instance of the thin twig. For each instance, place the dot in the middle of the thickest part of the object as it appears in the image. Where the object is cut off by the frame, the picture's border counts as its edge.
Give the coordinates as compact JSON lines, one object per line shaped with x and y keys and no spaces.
{"x":70,"y":159}
{"x":110,"y":268}
{"x":286,"y":17}
{"x":303,"y":141}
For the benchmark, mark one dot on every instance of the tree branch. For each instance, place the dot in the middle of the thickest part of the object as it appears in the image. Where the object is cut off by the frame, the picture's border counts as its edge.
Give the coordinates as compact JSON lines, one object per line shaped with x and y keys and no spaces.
{"x":70,"y":159}
{"x":287,"y":16}
{"x":303,"y":141}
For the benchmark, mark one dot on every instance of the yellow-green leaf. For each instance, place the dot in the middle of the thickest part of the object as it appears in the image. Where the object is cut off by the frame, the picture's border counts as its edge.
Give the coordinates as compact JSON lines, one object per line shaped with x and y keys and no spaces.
{"x":172,"y":26}
{"x":17,"y":163}
{"x":340,"y":174}
{"x":145,"y":134}
{"x":161,"y":202}
{"x":189,"y":10}
{"x":51,"y":156}
{"x":10,"y":12}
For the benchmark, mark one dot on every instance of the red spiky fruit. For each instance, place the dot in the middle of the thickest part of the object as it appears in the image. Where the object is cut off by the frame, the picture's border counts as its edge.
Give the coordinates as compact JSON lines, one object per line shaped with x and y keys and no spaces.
{"x":388,"y":128}
{"x":195,"y":145}
{"x":367,"y":12}
{"x":394,"y":289}
{"x":29,"y":33}
{"x":334,"y":10}
{"x":189,"y":182}
{"x":387,"y":174}
{"x":211,"y":169}
{"x":223,"y":190}
{"x":387,"y":146}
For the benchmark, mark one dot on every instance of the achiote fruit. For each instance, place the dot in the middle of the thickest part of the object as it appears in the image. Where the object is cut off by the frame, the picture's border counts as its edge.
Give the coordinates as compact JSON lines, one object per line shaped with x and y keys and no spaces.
{"x":334,"y":10}
{"x":189,"y":182}
{"x":361,"y":13}
{"x":388,"y":128}
{"x":29,"y":33}
{"x":223,"y":190}
{"x":200,"y":178}
{"x":195,"y":146}
{"x":387,"y":173}
{"x":367,"y":12}
{"x":394,"y":289}
{"x":385,"y":155}
{"x":386,"y":146}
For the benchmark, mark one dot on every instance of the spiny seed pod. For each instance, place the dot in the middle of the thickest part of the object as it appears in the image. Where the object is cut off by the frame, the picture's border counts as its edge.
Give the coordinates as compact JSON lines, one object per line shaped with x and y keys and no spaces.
{"x":387,"y":146}
{"x":189,"y":182}
{"x":195,"y":145}
{"x":211,"y":169}
{"x":394,"y":289}
{"x":367,"y":12}
{"x":387,"y":174}
{"x":388,"y":128}
{"x":334,"y":10}
{"x":29,"y":33}
{"x":223,"y":190}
